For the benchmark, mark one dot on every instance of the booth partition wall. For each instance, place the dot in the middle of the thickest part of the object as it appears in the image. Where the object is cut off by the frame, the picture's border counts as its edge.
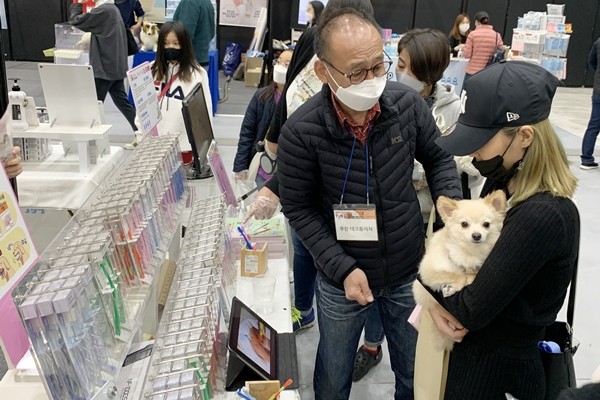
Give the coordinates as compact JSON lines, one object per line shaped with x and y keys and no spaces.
{"x":31,"y":24}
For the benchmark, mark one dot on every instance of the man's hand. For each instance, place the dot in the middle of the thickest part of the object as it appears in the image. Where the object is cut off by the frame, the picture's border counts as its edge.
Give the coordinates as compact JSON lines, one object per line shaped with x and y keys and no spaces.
{"x":264,"y":206}
{"x":240,"y":176}
{"x":447,"y":324}
{"x":13,"y":166}
{"x":138,"y":25}
{"x":357,"y":288}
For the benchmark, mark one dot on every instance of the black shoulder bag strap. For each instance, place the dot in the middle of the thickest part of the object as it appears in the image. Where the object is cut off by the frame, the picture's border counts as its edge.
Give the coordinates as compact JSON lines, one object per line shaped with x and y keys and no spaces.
{"x":571,"y":303}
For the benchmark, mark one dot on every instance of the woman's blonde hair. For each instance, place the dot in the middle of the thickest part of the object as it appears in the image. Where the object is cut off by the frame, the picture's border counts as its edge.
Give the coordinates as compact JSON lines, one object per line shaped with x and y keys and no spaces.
{"x":545,"y":167}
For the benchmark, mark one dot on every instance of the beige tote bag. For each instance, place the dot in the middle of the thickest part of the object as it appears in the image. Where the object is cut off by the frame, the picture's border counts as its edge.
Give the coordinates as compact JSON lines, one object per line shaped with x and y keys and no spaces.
{"x":431,"y":365}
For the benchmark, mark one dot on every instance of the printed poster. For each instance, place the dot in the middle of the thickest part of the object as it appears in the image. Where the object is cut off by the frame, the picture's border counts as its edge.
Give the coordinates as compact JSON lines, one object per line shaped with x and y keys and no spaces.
{"x":144,"y":95}
{"x":241,"y":12}
{"x":17,"y":253}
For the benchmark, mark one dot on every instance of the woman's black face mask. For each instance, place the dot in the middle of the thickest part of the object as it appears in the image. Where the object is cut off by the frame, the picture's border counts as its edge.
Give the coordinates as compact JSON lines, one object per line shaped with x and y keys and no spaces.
{"x":494,"y":167}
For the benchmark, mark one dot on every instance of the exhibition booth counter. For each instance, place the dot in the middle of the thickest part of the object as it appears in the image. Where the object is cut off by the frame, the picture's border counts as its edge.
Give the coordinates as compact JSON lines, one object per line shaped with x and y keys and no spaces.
{"x":57,"y":183}
{"x":93,"y":295}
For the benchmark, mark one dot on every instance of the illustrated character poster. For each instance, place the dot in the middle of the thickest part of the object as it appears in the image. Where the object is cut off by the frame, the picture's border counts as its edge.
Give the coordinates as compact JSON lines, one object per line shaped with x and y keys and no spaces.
{"x":17,"y":253}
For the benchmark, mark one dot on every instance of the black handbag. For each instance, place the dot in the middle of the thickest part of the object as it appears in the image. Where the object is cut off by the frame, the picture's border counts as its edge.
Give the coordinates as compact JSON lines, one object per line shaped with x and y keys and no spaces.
{"x":132,"y":46}
{"x":558,"y":367}
{"x":497,"y":55}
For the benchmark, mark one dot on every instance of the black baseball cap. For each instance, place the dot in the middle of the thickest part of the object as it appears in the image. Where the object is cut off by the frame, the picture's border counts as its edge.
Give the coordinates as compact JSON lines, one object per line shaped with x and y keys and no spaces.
{"x":508,"y":93}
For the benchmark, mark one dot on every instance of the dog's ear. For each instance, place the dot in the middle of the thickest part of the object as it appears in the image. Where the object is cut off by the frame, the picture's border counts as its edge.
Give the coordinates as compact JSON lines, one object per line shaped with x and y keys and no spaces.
{"x":446,"y":206}
{"x":497,"y":200}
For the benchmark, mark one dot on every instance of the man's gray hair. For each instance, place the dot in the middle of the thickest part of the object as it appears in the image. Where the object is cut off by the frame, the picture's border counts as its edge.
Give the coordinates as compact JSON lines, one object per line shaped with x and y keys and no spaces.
{"x":331,"y":20}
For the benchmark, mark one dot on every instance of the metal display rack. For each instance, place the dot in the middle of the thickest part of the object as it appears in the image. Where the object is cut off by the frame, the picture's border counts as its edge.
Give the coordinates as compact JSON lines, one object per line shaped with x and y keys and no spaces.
{"x":94,"y":289}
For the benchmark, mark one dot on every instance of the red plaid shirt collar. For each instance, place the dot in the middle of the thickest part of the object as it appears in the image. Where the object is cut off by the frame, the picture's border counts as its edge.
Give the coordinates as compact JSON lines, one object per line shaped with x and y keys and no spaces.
{"x":359,"y":131}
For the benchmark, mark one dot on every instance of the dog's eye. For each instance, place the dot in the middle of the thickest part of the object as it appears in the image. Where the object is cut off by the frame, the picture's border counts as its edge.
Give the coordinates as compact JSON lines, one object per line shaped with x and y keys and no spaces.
{"x":486,"y":224}
{"x":464,"y":224}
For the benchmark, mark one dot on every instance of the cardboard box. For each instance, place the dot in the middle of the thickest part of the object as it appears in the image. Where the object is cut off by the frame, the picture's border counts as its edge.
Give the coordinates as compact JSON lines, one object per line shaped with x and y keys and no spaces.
{"x":253,"y":71}
{"x":254,"y":262}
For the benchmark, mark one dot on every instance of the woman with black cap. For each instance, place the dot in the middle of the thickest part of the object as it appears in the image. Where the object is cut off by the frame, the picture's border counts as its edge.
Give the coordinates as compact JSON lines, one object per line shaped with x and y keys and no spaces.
{"x":499,"y":319}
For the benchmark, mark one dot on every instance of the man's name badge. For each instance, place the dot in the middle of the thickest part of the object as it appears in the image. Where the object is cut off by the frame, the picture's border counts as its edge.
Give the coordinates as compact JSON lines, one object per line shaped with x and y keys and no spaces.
{"x":355,"y":222}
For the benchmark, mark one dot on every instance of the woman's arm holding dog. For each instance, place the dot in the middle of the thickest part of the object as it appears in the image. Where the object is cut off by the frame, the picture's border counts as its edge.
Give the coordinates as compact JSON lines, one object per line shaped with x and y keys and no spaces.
{"x":532,"y":235}
{"x":447,"y":324}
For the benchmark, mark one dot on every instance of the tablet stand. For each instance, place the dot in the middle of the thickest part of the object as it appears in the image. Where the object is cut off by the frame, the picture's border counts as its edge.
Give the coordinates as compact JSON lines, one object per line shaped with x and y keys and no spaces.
{"x":238,"y":373}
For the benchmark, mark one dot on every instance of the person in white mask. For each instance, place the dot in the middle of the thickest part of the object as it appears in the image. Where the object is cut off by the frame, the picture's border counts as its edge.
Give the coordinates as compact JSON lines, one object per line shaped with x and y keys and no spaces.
{"x":423,"y":55}
{"x":345,"y":160}
{"x":458,"y":34}
{"x":257,"y":119}
{"x":313,"y":12}
{"x":422,"y":60}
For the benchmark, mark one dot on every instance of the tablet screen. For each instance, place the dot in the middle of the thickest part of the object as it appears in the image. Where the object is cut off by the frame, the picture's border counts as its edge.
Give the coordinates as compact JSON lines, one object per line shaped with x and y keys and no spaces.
{"x":253,"y":340}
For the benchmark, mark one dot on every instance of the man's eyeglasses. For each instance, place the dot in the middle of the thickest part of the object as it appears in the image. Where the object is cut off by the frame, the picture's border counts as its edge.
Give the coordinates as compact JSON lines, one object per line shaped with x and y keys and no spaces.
{"x":356,"y":77}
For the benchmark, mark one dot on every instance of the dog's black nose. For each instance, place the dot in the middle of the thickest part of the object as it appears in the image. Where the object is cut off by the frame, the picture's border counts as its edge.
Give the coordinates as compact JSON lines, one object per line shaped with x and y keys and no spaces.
{"x":476,"y":236}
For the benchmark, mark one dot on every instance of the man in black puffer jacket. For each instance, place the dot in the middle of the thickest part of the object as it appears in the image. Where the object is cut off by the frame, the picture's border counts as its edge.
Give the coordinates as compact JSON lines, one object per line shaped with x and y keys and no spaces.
{"x":355,"y":144}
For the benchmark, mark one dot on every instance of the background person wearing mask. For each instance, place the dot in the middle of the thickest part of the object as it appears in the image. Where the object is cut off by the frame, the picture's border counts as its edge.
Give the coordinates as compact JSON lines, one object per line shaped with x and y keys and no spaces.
{"x":108,"y":53}
{"x":257,"y":119}
{"x":302,"y":84}
{"x":423,"y":56}
{"x":459,"y":33}
{"x":313,"y":12}
{"x":176,"y":72}
{"x":354,"y":143}
{"x":198,"y":16}
{"x":481,"y":44}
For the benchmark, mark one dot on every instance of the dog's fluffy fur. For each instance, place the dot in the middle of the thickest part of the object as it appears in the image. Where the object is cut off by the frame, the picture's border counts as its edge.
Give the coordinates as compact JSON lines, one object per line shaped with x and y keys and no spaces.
{"x":455,"y":253}
{"x":149,"y":36}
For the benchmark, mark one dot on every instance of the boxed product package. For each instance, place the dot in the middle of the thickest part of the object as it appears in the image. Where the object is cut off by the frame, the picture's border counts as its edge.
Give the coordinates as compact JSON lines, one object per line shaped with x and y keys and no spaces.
{"x":253,"y":71}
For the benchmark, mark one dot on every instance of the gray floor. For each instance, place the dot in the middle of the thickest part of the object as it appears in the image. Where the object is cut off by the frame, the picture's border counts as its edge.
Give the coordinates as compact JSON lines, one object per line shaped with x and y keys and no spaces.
{"x":570,"y":113}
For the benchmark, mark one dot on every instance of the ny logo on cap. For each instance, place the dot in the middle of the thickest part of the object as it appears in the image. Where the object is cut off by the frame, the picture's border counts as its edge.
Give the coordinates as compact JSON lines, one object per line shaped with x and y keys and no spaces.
{"x":463,"y":101}
{"x":512,"y":116}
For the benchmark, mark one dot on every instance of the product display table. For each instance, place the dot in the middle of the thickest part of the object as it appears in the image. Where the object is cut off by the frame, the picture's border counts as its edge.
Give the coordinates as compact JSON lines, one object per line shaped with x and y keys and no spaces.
{"x":279,"y":318}
{"x":57,"y":183}
{"x":13,"y":389}
{"x":455,"y":73}
{"x":83,"y":136}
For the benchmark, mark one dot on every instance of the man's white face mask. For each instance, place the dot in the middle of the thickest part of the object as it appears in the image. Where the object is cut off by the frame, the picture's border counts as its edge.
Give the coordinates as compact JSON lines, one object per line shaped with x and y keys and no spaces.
{"x":362,"y":96}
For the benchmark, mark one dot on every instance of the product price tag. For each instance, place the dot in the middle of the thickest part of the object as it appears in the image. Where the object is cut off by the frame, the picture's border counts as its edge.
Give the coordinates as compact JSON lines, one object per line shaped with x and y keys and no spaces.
{"x":251,"y":264}
{"x":355,"y":222}
{"x":141,"y":83}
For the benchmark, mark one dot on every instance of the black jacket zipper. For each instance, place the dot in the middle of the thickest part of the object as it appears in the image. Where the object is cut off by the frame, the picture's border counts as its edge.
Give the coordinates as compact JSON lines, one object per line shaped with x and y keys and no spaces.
{"x":382,"y":243}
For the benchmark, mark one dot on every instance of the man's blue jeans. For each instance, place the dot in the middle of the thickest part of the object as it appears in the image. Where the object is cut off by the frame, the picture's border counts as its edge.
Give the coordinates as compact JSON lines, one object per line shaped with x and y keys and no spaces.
{"x":374,"y":334}
{"x":591,"y":133}
{"x":304,"y":275}
{"x":340,"y":324}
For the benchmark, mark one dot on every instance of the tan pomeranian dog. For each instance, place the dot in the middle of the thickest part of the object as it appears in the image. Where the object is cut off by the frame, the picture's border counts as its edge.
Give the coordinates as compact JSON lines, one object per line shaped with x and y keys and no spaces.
{"x":149,"y":36}
{"x":455,"y":253}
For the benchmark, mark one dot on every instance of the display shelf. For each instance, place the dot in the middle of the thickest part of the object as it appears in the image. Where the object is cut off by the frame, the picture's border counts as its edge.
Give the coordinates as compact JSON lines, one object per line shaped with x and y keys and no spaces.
{"x":543,"y":38}
{"x":87,"y":299}
{"x":145,"y":294}
{"x":187,"y":347}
